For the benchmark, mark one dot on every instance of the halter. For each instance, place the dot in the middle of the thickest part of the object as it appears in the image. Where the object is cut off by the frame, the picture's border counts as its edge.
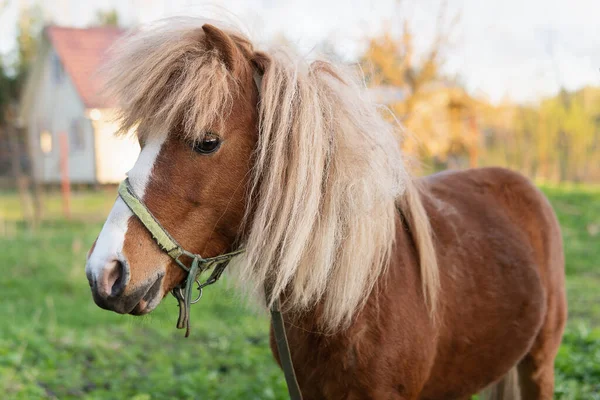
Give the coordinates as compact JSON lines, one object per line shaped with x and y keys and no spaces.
{"x":182,"y":292}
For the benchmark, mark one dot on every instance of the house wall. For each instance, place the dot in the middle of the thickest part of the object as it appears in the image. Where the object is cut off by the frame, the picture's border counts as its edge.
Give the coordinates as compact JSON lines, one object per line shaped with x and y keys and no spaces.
{"x":114,"y":155}
{"x":57,"y":109}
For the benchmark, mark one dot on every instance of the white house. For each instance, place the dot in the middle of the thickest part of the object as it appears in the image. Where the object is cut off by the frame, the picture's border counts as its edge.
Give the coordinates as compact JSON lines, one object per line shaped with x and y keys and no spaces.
{"x":62,"y":99}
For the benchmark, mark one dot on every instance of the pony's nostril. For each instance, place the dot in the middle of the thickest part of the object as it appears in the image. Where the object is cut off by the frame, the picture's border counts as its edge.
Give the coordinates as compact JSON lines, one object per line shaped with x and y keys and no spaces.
{"x":113,"y":280}
{"x":117,"y":278}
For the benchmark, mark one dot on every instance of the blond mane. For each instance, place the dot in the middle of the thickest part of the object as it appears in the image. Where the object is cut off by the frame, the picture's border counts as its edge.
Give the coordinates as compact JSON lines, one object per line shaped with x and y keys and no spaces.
{"x":161,"y":75}
{"x":328,"y":174}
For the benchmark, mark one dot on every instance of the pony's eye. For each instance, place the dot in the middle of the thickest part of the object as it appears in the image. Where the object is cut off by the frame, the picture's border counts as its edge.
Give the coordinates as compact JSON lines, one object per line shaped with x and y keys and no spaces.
{"x":209,"y":144}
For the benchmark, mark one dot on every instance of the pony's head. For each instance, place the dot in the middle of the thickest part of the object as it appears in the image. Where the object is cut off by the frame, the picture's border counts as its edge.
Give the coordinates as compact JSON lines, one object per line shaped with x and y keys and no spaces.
{"x":298,"y":167}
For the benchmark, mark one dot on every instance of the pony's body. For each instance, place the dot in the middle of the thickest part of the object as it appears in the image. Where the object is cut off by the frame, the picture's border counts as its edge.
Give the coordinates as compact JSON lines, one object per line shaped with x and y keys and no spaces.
{"x":391,"y":288}
{"x":498,"y":310}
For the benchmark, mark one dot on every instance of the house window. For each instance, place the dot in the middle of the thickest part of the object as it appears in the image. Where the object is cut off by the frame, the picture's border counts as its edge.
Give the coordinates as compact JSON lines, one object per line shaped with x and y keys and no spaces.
{"x":57,"y":69}
{"x":77,"y":135}
{"x":46,"y":142}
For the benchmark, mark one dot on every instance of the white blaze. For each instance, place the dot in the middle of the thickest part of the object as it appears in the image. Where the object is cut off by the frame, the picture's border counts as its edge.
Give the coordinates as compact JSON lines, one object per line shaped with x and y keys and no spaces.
{"x":109,"y":245}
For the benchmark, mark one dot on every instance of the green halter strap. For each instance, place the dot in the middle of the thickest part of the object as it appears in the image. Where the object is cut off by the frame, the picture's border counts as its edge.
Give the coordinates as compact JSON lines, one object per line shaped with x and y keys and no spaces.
{"x":182,"y":293}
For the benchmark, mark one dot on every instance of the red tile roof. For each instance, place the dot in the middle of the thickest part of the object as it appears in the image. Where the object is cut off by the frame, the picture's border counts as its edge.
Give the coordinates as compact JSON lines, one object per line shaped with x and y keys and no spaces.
{"x":82,"y":52}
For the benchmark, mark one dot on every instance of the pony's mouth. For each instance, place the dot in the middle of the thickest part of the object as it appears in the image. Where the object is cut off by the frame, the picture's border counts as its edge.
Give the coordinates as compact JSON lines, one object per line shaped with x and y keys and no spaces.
{"x":141,"y":308}
{"x":150,"y":300}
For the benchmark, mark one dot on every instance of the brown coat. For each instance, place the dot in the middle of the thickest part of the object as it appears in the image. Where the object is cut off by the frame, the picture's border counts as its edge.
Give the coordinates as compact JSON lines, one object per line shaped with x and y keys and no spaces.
{"x":502,"y":302}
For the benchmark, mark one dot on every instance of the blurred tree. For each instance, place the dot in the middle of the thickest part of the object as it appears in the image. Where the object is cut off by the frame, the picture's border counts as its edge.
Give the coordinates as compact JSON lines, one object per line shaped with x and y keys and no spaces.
{"x":107,"y":18}
{"x":557,"y":139}
{"x":438,"y":114}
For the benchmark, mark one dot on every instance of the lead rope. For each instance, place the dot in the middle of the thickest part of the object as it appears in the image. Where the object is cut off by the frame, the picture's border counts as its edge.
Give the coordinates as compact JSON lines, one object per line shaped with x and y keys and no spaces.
{"x":283,"y":348}
{"x":278,"y":324}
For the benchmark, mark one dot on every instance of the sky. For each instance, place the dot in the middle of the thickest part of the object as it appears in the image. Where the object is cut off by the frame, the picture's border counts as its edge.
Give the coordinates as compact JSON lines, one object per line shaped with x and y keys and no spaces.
{"x":500,"y":49}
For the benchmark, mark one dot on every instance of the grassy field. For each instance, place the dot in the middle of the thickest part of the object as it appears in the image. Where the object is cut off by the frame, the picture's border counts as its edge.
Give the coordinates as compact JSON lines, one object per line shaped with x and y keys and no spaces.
{"x":55,"y":343}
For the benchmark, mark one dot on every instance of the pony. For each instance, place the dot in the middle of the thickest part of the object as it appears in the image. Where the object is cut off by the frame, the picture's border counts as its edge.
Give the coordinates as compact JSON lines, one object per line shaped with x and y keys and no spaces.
{"x":391,"y":286}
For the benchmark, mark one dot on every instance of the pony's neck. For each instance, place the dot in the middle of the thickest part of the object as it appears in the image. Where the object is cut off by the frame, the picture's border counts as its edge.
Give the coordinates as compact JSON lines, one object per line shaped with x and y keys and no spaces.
{"x":404,"y":261}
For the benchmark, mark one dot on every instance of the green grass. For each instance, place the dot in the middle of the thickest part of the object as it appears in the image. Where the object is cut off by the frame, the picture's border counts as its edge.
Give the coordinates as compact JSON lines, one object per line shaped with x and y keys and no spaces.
{"x":578,"y":361}
{"x":55,"y":343}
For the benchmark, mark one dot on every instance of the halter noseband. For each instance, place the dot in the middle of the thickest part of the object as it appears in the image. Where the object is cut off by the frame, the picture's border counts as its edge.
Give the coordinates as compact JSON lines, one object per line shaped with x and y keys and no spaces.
{"x":182,"y":292}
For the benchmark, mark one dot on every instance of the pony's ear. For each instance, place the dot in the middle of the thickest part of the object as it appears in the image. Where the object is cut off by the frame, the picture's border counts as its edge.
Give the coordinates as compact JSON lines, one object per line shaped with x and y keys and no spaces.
{"x":261,"y":62}
{"x":222,"y":43}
